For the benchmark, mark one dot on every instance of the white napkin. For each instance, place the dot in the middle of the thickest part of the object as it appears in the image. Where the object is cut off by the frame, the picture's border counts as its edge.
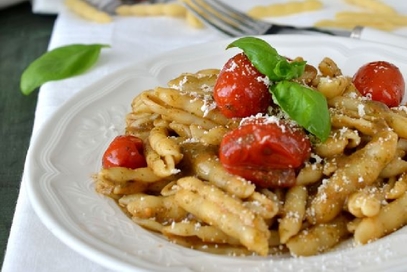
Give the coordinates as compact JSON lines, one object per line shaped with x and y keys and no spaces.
{"x":31,"y":246}
{"x":47,"y":6}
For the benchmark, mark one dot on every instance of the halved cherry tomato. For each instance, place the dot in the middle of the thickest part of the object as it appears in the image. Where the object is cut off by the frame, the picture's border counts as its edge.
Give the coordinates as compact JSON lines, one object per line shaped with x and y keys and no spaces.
{"x":382,"y":81}
{"x":241,"y":90}
{"x":266,"y":153}
{"x":124,"y":151}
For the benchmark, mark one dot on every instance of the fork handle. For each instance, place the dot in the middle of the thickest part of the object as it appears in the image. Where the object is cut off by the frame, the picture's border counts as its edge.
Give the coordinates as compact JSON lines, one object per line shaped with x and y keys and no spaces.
{"x":375,"y":35}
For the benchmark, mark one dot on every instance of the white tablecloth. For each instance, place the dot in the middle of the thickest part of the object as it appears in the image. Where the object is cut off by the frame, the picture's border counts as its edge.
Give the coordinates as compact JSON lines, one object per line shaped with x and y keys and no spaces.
{"x":31,"y":246}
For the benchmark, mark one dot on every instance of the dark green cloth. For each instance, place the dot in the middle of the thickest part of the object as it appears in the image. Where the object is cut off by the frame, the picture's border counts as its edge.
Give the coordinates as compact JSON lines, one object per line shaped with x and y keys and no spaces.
{"x":24,"y":36}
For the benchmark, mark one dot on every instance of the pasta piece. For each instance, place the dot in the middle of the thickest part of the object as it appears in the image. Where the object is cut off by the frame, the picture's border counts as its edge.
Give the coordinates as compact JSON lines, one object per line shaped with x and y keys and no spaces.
{"x":201,"y":106}
{"x":162,"y":209}
{"x":193,"y":21}
{"x":340,"y":120}
{"x":402,"y":144}
{"x":309,"y":76}
{"x":85,"y":10}
{"x":218,"y":209}
{"x":207,"y":234}
{"x":390,"y":218}
{"x":285,"y":9}
{"x":394,"y":168}
{"x":319,"y":238}
{"x":399,"y":188}
{"x":362,"y":17}
{"x":149,"y":224}
{"x":156,"y":9}
{"x":200,"y":83}
{"x":337,"y":142}
{"x":221,"y":249}
{"x":276,"y":196}
{"x":382,"y":25}
{"x":364,"y":204}
{"x":294,"y":213}
{"x":182,"y":130}
{"x":176,"y":114}
{"x":333,"y":87}
{"x":362,"y":169}
{"x":212,"y":136}
{"x":229,"y":203}
{"x":309,"y":174}
{"x":161,"y":143}
{"x":376,"y":6}
{"x":162,"y":166}
{"x":397,"y":122}
{"x":206,"y":165}
{"x":123,"y":174}
{"x":329,"y":68}
{"x":352,"y":225}
{"x":117,"y":181}
{"x":379,"y":15}
{"x":262,"y":205}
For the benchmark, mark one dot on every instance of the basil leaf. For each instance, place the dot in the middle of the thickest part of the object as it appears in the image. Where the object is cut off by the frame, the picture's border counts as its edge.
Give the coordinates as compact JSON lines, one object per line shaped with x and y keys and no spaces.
{"x":307,"y":107}
{"x":59,"y":63}
{"x":267,"y":60}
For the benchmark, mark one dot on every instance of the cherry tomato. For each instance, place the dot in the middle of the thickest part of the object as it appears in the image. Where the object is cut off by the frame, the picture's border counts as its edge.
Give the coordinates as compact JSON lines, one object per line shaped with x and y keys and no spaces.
{"x":266,"y":153}
{"x":382,"y":81}
{"x":241,"y":90}
{"x":124,"y":151}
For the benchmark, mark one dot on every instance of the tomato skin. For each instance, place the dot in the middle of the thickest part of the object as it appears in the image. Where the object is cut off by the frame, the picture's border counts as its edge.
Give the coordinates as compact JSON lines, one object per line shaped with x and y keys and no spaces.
{"x":265,"y":153}
{"x":124,"y":151}
{"x":382,"y":81}
{"x":240,"y":90}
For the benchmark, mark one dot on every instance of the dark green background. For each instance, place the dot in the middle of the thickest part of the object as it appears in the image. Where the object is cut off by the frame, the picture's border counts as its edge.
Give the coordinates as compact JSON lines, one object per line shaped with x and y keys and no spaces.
{"x":24,"y":36}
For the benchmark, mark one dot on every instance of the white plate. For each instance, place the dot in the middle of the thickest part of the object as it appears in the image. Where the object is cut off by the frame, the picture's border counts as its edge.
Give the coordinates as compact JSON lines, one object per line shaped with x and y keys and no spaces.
{"x":69,"y":148}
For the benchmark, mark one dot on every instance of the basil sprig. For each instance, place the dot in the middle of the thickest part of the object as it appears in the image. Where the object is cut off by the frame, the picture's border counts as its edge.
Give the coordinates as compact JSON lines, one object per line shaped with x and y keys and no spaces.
{"x":59,"y":63}
{"x":267,"y":60}
{"x":304,"y":105}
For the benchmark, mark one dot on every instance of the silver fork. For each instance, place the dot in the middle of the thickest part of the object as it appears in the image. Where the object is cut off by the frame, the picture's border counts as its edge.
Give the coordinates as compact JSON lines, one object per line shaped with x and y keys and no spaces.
{"x":110,"y":6}
{"x":234,"y":23}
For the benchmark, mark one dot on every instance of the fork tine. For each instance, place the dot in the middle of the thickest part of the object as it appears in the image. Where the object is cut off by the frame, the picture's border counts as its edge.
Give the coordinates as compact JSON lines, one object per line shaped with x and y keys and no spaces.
{"x":208,"y":16}
{"x":235,"y":23}
{"x":221,"y":17}
{"x":252,"y":26}
{"x":248,"y":24}
{"x":244,"y":18}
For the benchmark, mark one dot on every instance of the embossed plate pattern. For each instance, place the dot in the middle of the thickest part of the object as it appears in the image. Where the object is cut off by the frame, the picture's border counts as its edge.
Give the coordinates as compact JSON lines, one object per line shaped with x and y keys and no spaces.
{"x":67,"y":152}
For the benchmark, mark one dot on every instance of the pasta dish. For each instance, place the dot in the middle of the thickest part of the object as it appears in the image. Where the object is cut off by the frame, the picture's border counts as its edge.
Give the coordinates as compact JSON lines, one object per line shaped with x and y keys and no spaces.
{"x":281,"y":177}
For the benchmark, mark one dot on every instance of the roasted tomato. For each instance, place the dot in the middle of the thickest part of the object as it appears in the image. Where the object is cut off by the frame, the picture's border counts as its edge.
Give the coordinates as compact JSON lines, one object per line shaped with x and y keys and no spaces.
{"x":124,"y":151}
{"x":265,"y":152}
{"x":241,"y":90}
{"x":382,"y":81}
